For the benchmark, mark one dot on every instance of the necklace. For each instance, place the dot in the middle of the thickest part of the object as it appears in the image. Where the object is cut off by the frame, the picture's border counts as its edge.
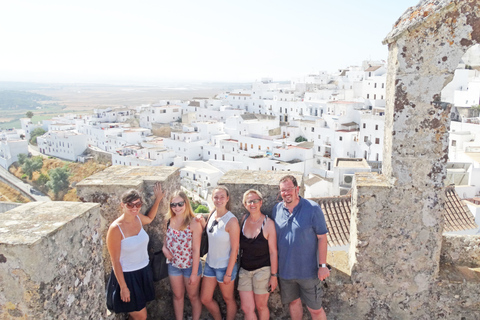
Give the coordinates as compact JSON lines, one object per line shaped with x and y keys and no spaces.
{"x":255,"y":221}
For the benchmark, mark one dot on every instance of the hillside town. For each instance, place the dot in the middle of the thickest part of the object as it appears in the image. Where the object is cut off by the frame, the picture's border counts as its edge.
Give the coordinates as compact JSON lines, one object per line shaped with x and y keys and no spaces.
{"x":328,"y":126}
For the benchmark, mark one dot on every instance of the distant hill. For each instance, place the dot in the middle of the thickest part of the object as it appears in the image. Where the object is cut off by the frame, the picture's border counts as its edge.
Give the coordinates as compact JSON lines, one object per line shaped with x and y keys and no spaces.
{"x":12,"y":99}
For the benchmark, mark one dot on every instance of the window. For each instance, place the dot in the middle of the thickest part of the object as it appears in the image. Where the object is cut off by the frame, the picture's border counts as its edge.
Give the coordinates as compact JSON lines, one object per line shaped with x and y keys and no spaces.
{"x":374,"y":97}
{"x":454,"y":143}
{"x":375,"y":85}
{"x":313,"y":129}
{"x":376,"y":127}
{"x":340,"y":138}
{"x":364,"y":126}
{"x":365,"y":139}
{"x":368,"y":96}
{"x":251,"y":146}
{"x":377,"y":140}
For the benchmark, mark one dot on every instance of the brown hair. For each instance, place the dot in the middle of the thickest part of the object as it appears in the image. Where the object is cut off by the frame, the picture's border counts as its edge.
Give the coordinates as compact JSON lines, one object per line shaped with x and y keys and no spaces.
{"x":131,"y":196}
{"x":291,"y":178}
{"x":222,"y":187}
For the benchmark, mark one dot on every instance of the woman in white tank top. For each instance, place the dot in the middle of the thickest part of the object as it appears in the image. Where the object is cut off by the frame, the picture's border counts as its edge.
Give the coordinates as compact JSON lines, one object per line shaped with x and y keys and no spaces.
{"x":220,"y":267}
{"x":130,"y":285}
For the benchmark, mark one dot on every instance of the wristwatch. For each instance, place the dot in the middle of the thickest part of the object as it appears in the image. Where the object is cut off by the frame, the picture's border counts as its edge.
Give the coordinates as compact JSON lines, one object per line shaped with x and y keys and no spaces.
{"x":322,"y":265}
{"x":274,"y":275}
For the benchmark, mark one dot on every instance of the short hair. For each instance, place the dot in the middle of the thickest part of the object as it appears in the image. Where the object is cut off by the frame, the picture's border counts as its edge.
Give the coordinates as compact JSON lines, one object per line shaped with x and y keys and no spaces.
{"x":291,"y":178}
{"x":131,"y":196}
{"x":251,"y":191}
{"x":222,"y":187}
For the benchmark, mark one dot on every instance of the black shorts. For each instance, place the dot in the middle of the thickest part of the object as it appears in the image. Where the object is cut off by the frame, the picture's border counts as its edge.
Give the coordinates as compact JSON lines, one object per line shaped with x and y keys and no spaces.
{"x":140,"y":284}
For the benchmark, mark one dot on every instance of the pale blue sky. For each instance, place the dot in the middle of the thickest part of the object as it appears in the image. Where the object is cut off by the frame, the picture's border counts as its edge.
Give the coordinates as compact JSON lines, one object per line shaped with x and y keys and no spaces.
{"x":210,"y":40}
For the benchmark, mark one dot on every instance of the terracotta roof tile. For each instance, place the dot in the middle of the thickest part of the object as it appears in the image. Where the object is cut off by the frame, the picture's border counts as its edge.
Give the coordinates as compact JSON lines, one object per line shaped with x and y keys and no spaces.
{"x":337,"y":212}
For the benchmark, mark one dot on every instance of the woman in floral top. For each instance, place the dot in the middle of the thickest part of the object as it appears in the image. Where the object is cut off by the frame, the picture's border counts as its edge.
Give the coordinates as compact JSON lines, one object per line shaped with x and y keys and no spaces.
{"x":182,"y":249}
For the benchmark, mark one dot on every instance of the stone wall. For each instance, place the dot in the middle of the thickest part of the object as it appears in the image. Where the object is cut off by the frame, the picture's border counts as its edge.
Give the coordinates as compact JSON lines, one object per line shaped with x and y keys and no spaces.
{"x":51,"y":264}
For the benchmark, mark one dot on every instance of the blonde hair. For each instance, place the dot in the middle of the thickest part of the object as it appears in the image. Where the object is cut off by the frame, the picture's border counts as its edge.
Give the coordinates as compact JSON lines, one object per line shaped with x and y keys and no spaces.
{"x":251,"y":191}
{"x":188,"y":214}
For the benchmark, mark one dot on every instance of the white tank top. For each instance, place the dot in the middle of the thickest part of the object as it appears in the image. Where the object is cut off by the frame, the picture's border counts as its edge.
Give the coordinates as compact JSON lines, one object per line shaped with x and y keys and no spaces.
{"x":133,"y":250}
{"x":219,"y":246}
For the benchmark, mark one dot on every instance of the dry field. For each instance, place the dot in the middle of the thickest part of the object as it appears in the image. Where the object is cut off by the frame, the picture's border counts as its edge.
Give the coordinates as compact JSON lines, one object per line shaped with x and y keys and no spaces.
{"x":83,"y":98}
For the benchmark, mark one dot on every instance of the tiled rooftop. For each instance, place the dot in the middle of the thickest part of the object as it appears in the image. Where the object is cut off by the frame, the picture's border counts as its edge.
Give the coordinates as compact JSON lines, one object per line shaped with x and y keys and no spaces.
{"x":337,"y":215}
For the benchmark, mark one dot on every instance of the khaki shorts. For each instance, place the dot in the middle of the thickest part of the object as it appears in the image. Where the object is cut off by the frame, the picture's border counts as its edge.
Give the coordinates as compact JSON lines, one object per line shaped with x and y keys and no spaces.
{"x":256,"y":280}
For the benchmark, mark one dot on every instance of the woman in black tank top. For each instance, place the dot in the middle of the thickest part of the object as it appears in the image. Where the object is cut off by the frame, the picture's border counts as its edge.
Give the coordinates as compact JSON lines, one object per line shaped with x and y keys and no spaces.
{"x":259,"y":264}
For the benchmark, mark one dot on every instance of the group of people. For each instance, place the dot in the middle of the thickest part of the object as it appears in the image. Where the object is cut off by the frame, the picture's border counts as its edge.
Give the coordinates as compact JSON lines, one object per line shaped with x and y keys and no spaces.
{"x":286,"y":249}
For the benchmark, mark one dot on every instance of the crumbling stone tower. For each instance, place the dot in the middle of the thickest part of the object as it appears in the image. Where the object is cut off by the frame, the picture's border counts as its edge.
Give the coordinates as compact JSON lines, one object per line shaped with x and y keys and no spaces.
{"x":397,"y":222}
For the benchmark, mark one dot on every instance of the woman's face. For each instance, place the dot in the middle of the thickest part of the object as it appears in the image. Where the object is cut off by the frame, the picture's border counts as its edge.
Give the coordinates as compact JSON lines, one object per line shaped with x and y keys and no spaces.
{"x":177,"y":204}
{"x":253,"y":203}
{"x":133,"y":208}
{"x":220,"y":198}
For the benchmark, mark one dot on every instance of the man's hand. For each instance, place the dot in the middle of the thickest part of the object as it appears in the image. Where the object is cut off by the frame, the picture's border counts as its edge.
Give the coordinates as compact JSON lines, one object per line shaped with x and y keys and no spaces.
{"x":323,"y":273}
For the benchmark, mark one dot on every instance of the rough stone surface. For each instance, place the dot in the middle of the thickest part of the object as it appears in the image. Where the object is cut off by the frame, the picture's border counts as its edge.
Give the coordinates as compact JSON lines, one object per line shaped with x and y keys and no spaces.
{"x":51,"y":262}
{"x":267,"y":182}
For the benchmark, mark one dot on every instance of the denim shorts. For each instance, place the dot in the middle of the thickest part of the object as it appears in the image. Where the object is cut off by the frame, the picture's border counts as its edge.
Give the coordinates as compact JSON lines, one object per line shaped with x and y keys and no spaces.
{"x":218,"y":272}
{"x":187,"y":272}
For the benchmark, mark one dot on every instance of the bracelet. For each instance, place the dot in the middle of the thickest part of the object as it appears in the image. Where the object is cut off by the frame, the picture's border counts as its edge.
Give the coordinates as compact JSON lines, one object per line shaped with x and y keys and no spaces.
{"x":274,"y":275}
{"x":228,"y":275}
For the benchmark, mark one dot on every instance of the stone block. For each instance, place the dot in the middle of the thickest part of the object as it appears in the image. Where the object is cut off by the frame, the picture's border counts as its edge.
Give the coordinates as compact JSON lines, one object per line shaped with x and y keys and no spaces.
{"x":51,"y":264}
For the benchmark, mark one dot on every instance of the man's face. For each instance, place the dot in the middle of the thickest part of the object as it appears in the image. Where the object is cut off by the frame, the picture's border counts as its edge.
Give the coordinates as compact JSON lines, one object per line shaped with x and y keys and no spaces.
{"x":288,"y":191}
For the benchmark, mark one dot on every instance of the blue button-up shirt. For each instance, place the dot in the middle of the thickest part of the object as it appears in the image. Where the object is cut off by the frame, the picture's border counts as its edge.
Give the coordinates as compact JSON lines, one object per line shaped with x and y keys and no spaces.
{"x":297,"y":239}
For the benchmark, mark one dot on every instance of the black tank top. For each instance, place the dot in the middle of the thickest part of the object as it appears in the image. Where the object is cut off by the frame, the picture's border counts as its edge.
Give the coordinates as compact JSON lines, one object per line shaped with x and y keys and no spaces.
{"x":254,"y":251}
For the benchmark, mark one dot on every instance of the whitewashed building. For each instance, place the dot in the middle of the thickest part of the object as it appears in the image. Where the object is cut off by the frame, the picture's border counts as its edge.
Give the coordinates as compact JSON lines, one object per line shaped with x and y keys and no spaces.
{"x":66,"y":145}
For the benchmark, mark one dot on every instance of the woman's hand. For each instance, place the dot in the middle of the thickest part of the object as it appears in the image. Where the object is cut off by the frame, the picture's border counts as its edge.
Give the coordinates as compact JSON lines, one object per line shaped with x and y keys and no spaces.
{"x":227,"y":279}
{"x":167,"y":253}
{"x":199,"y":218}
{"x":272,"y":283}
{"x":125,"y":294}
{"x":157,"y":190}
{"x":194,"y":279}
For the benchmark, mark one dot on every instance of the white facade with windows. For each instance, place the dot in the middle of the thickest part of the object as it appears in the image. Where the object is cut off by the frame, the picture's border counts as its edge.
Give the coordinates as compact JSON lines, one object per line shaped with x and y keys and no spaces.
{"x":62,"y":144}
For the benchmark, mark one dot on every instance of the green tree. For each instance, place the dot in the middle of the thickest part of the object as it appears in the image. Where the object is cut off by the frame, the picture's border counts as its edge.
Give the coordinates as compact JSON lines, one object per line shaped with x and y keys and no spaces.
{"x":36,"y":133}
{"x":202,"y":209}
{"x":58,"y":179}
{"x":43,"y":179}
{"x":29,"y":114}
{"x":30,"y":165}
{"x":300,"y":139}
{"x":21,"y":158}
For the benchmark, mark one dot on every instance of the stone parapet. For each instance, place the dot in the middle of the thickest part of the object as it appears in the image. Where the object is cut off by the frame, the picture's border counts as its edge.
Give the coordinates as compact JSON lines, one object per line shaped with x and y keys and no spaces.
{"x":267,"y":182}
{"x":51,"y":264}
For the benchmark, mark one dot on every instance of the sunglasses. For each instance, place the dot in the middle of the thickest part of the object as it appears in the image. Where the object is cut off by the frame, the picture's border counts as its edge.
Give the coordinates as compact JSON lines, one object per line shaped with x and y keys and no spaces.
{"x":214,"y":223}
{"x":255,"y":201}
{"x":177,"y":204}
{"x":131,"y":205}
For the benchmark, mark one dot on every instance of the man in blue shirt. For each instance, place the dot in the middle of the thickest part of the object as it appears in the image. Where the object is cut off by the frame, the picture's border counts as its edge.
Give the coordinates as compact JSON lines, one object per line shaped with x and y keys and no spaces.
{"x":301,"y":236}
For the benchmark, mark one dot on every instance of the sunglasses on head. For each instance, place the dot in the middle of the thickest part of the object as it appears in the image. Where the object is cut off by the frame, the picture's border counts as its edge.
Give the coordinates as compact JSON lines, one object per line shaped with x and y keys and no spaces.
{"x":177,"y":204}
{"x":131,"y":205}
{"x":214,"y":223}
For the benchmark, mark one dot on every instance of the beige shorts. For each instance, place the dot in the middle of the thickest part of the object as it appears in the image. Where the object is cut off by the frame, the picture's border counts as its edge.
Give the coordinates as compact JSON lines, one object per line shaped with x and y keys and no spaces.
{"x":256,"y":280}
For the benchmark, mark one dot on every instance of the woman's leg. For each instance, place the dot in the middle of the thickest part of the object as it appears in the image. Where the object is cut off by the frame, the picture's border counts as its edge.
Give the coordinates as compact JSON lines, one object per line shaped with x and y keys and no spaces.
{"x":138,"y":315}
{"x":247,"y":302}
{"x":193,"y":295}
{"x":261,"y":302}
{"x":206,"y":297}
{"x":178,"y":289}
{"x":228,"y":297}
